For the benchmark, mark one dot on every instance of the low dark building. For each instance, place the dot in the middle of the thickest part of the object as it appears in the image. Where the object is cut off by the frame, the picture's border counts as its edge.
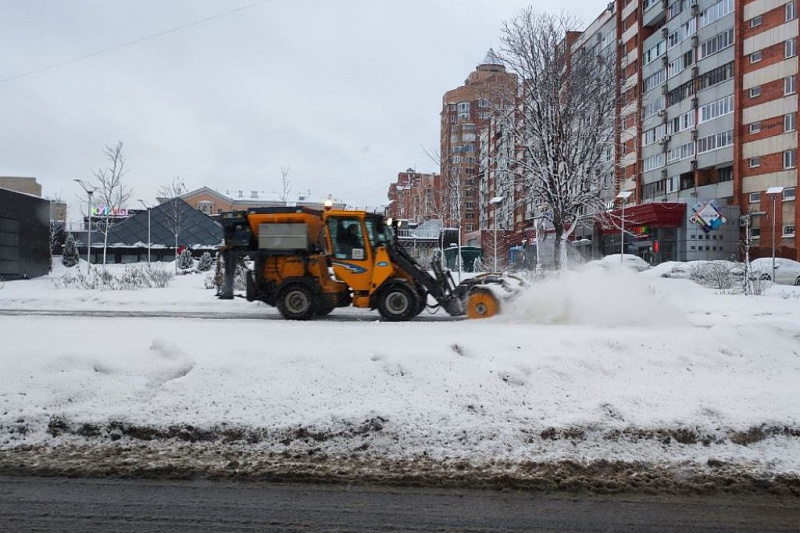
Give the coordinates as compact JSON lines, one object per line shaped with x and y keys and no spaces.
{"x":127,"y":239}
{"x":24,"y":235}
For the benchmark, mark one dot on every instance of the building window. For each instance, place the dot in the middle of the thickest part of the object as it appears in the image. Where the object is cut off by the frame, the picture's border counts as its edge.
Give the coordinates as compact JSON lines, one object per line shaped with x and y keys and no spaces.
{"x":716,"y":12}
{"x":716,"y":76}
{"x":755,"y":197}
{"x":789,"y":193}
{"x":788,"y":230}
{"x":789,"y":122}
{"x":755,"y":57}
{"x":755,"y":92}
{"x":789,"y":158}
{"x":791,"y":10}
{"x":755,"y":162}
{"x":755,"y":127}
{"x":756,"y":21}
{"x":755,"y":233}
{"x":790,"y":48}
{"x":716,"y":43}
{"x":789,"y":85}
{"x":725,"y":174}
{"x":715,"y":142}
{"x":681,"y":152}
{"x":718,"y":108}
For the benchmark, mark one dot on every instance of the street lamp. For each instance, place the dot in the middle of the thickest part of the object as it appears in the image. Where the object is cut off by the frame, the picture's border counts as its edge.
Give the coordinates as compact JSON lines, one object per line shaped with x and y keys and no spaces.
{"x":89,"y":190}
{"x":149,"y":241}
{"x":623,"y":195}
{"x":494,"y":201}
{"x":774,"y":192}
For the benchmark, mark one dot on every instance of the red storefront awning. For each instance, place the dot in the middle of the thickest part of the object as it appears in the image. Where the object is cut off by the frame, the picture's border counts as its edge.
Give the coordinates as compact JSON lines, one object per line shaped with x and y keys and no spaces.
{"x":656,"y":215}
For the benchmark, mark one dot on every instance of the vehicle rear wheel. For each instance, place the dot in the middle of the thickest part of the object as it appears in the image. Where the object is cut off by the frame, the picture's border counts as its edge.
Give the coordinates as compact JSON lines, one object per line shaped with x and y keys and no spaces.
{"x":797,"y":282}
{"x":482,"y":304}
{"x":298,"y":302}
{"x":398,"y":303}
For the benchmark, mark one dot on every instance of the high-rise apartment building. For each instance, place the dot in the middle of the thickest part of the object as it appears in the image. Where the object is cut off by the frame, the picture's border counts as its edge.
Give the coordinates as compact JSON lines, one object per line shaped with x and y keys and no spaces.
{"x":717,"y":105}
{"x":467,"y":111}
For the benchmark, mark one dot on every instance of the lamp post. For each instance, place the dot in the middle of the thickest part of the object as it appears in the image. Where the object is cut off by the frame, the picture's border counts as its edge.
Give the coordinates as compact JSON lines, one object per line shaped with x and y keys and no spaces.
{"x":89,"y":192}
{"x":537,"y":220}
{"x":149,"y":240}
{"x":774,"y":192}
{"x":623,"y":195}
{"x":494,"y":201}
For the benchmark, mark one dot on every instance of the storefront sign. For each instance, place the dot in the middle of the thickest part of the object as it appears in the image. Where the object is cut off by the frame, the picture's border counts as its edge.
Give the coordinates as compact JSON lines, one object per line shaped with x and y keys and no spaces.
{"x":708,"y":215}
{"x":105,"y":211}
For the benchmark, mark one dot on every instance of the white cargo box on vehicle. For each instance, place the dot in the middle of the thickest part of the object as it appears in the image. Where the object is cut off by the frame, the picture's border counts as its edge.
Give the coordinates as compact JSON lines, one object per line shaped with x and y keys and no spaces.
{"x":283,"y":236}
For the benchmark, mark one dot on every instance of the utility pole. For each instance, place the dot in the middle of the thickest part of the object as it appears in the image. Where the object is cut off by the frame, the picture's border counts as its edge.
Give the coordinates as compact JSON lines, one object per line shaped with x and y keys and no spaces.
{"x":89,"y":192}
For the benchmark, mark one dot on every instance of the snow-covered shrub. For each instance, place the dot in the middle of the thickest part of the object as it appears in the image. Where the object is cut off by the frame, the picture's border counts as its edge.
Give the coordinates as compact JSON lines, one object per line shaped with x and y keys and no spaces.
{"x":132,"y":278}
{"x":719,"y":275}
{"x":185,"y":261}
{"x":240,"y":280}
{"x":70,"y":256}
{"x":210,"y":282}
{"x":758,"y":285}
{"x":206,"y":262}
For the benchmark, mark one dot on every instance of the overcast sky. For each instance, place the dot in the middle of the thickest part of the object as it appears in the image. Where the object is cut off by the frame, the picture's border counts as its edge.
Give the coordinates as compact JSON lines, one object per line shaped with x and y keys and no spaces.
{"x":344,"y":92}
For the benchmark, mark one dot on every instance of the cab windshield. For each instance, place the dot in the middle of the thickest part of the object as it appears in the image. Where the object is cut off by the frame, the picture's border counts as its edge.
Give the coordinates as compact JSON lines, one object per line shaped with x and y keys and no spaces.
{"x":379,"y":233}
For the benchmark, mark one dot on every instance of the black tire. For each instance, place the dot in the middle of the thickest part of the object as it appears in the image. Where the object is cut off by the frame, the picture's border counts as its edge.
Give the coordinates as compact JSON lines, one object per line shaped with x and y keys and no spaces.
{"x":325,"y":305}
{"x":297,"y":301}
{"x":398,"y":303}
{"x":423,"y":302}
{"x":797,"y":282}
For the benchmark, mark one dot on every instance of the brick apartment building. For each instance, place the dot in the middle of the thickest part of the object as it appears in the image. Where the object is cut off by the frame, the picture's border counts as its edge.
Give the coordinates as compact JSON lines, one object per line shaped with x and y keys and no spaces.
{"x":415,"y":196}
{"x":709,"y":110}
{"x":466,"y":112}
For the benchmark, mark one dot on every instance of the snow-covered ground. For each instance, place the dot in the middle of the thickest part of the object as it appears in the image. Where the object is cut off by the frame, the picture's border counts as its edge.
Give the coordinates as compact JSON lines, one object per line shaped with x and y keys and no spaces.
{"x":592,"y":366}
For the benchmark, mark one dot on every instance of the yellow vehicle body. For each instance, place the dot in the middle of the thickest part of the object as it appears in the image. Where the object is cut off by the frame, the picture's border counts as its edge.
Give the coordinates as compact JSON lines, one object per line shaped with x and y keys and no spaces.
{"x":308,"y":262}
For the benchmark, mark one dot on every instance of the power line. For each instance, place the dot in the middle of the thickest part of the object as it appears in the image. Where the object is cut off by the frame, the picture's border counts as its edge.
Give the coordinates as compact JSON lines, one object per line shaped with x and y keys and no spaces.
{"x":135,"y":41}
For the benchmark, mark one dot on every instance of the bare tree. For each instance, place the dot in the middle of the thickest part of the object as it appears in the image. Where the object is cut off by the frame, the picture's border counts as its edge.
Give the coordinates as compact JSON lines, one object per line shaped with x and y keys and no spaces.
{"x":286,"y":184}
{"x":451,"y":201}
{"x":567,"y":130}
{"x":174,"y":212}
{"x":112,"y":193}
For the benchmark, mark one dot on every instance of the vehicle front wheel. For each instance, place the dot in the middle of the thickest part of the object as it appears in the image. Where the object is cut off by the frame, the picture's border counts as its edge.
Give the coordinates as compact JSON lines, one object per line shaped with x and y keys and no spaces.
{"x":797,"y":282}
{"x":298,"y":302}
{"x":398,"y":303}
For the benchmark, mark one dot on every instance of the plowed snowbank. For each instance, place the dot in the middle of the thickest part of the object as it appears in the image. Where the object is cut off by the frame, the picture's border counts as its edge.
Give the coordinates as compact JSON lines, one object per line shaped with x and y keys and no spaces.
{"x":595,"y":297}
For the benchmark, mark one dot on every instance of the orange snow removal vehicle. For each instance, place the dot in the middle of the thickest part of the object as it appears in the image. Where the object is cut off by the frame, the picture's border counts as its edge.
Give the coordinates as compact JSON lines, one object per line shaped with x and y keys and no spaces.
{"x":308,"y":262}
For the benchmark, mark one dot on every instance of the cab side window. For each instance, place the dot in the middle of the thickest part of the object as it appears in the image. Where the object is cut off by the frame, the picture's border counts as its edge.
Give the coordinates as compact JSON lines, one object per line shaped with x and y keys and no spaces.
{"x":347,"y":238}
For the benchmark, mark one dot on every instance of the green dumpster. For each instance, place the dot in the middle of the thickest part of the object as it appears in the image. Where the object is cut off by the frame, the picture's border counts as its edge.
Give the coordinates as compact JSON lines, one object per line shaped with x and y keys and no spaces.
{"x":468,"y":256}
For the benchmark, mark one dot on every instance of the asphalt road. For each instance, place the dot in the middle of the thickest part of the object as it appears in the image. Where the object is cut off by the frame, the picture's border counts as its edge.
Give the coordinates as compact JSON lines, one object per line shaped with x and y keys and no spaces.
{"x":82,"y":505}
